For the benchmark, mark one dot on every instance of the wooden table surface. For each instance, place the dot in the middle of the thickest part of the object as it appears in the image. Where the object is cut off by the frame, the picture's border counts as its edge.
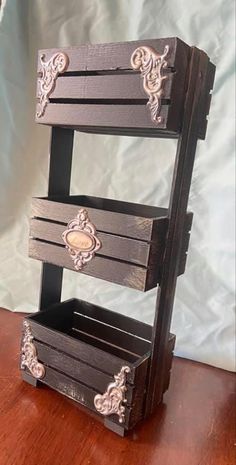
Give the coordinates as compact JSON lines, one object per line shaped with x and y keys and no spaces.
{"x":195,"y":426}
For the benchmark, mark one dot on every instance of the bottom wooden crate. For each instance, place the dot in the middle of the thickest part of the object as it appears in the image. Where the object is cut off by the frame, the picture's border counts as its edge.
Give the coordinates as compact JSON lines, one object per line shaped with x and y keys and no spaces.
{"x":94,"y":356}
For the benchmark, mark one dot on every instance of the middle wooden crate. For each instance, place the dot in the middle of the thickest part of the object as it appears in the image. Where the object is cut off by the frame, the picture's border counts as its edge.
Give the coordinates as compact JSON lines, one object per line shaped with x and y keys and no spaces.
{"x":131,"y":237}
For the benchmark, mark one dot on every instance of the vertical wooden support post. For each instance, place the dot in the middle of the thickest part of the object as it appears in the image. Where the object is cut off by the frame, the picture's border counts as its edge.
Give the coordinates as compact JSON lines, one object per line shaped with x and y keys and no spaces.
{"x":177,"y":210}
{"x":61,"y":149}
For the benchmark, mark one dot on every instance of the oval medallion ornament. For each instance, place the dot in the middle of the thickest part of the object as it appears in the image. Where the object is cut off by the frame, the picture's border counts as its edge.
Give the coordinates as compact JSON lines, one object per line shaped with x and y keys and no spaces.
{"x":81,"y":240}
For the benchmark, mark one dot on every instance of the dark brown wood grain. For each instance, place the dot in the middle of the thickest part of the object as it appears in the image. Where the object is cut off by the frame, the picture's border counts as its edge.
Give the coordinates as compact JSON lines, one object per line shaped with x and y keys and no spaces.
{"x":103,"y":87}
{"x":116,"y":217}
{"x":121,"y":259}
{"x":80,"y":393}
{"x":122,"y":116}
{"x":78,"y":371}
{"x":115,"y":271}
{"x":116,"y":86}
{"x":122,"y":248}
{"x":86,"y":352}
{"x":72,"y":367}
{"x":84,"y":317}
{"x":110,"y":334}
{"x":60,"y":318}
{"x":110,"y":56}
{"x":179,"y":87}
{"x":143,"y":246}
{"x":60,"y":161}
{"x":206,"y":99}
{"x":130,"y":132}
{"x":61,"y":356}
{"x":114,"y":319}
{"x":177,"y":211}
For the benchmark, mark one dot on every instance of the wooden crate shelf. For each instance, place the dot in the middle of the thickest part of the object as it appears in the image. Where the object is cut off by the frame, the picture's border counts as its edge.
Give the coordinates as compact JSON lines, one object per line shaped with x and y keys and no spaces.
{"x":112,"y":364}
{"x":83,"y":346}
{"x":132,"y":238}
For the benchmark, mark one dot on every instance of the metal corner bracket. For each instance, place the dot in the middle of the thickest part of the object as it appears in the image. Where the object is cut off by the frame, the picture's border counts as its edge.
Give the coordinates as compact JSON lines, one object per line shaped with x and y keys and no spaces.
{"x":111,"y":402}
{"x":57,"y":64}
{"x":151,"y":64}
{"x":29,"y":354}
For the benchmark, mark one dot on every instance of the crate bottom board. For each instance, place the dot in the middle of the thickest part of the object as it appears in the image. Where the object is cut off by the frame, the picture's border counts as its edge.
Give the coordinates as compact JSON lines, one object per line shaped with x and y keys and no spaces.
{"x":82,"y":395}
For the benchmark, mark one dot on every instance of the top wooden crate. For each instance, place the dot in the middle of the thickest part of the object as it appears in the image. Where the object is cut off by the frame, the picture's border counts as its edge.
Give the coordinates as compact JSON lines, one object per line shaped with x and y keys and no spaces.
{"x":132,"y":88}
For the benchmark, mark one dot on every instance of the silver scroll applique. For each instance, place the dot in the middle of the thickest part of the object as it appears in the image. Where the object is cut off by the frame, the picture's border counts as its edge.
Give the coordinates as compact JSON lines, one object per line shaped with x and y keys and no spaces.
{"x":151,"y":65}
{"x":81,"y":240}
{"x":29,"y":354}
{"x":57,"y":64}
{"x":111,"y":402}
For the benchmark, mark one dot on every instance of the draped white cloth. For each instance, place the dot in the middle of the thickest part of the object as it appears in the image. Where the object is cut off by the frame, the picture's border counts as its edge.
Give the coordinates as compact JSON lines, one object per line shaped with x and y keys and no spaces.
{"x":131,"y":169}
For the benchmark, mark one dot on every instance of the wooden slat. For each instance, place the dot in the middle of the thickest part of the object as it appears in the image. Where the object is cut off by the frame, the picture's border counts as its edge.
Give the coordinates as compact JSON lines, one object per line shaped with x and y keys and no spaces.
{"x":121,"y":248}
{"x":121,"y":224}
{"x":179,"y":86}
{"x":110,"y":334}
{"x":77,"y":391}
{"x":117,"y":86}
{"x":111,"y":56}
{"x":72,"y":367}
{"x":53,"y":326}
{"x":122,"y":116}
{"x":59,"y":317}
{"x":151,"y":133}
{"x":124,"y":273}
{"x":130,"y":251}
{"x":115,"y":319}
{"x":77,"y":370}
{"x":111,"y":270}
{"x":79,"y":349}
{"x":100,"y":343}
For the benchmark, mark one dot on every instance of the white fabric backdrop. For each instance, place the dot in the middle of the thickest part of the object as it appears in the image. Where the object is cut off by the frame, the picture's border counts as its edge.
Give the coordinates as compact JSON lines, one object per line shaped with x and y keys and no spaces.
{"x":126,"y":168}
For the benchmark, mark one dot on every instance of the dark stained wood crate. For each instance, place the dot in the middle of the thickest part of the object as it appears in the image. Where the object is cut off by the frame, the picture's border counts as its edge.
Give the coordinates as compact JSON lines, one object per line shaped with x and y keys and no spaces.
{"x":83,"y":346}
{"x":100,"y":88}
{"x":132,"y":238}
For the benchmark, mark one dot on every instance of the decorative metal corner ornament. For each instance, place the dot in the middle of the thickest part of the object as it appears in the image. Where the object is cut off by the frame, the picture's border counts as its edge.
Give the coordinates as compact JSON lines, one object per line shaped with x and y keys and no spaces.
{"x":151,"y":65}
{"x":29,"y":354}
{"x":57,"y":64}
{"x":111,"y":401}
{"x":81,"y":240}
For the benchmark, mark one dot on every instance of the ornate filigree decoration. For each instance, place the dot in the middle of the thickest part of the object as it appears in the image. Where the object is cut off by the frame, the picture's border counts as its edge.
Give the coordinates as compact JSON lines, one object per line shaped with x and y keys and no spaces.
{"x":29,"y":354}
{"x":111,"y":401}
{"x":81,"y":240}
{"x":57,"y":64}
{"x":151,"y":65}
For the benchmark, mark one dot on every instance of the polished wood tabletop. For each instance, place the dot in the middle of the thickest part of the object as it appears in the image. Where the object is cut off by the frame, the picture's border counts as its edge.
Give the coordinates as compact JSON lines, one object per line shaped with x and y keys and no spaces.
{"x":194,"y":426}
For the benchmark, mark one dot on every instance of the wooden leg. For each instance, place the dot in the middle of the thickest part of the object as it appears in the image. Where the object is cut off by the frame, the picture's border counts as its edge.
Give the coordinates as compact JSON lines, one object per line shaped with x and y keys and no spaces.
{"x":51,"y":285}
{"x":29,"y":379}
{"x":61,"y":149}
{"x":177,"y":211}
{"x":120,"y":430}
